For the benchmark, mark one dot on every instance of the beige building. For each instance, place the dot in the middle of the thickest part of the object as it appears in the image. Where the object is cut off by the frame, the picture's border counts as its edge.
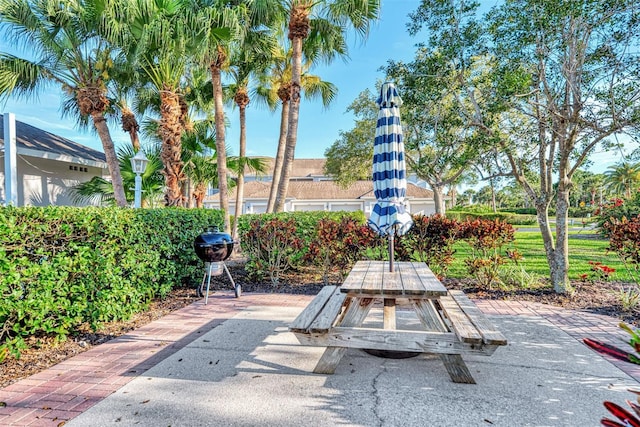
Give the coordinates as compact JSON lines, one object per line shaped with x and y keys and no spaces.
{"x":44,"y":166}
{"x":311,"y":190}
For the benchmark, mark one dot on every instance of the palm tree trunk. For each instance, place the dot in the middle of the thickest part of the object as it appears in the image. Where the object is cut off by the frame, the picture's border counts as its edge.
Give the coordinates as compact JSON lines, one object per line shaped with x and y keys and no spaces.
{"x":292,"y":130}
{"x":277,"y":167}
{"x":130,"y":125}
{"x":100,"y":124}
{"x":240,"y":186}
{"x":171,"y":132}
{"x":199,"y":193}
{"x":216,"y":80}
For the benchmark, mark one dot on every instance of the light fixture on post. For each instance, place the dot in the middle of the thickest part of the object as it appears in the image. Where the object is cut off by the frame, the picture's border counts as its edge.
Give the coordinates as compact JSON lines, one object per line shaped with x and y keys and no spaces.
{"x":139,"y":165}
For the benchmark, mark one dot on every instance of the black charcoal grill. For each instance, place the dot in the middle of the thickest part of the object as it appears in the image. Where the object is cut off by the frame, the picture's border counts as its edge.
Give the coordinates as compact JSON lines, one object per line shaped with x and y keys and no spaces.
{"x":214,"y":247}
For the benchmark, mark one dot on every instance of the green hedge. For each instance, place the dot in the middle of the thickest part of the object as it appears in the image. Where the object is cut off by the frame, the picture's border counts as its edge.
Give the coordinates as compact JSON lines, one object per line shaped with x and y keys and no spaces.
{"x":62,"y":266}
{"x":510,"y":218}
{"x":306,"y":222}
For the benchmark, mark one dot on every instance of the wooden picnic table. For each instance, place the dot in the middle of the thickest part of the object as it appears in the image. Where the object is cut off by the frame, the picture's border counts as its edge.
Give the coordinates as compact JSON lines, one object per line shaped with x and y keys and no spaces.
{"x":451,"y":323}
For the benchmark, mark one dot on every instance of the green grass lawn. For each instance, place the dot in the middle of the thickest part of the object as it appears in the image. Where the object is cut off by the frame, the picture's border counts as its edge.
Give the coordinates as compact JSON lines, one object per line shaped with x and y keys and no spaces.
{"x":529,"y":244}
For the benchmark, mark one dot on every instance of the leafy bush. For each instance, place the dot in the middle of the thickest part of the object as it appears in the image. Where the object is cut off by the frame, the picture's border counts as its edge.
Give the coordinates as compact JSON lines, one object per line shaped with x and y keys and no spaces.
{"x":305,"y":222}
{"x":520,"y":211}
{"x":507,"y":217}
{"x":302,"y":228}
{"x":515,"y":274}
{"x":429,"y":240}
{"x":624,"y":240}
{"x":62,"y":266}
{"x":339,"y":244}
{"x":581,"y":212}
{"x":617,"y":210}
{"x":486,"y":238}
{"x":272,"y":247}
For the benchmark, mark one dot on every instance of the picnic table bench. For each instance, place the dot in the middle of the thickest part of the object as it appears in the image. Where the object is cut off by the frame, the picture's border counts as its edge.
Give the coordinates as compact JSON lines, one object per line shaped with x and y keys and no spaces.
{"x":452,"y":325}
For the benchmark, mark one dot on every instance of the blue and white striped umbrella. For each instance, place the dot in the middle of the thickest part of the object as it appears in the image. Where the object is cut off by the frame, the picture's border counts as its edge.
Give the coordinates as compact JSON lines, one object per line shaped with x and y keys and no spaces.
{"x":389,"y":215}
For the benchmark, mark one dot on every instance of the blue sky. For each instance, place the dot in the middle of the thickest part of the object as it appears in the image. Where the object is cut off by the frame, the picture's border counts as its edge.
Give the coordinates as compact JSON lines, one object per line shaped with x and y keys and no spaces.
{"x":318,"y":128}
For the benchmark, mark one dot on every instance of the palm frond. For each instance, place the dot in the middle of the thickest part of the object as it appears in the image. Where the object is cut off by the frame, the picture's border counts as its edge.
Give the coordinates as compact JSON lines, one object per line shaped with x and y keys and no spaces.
{"x":20,"y":77}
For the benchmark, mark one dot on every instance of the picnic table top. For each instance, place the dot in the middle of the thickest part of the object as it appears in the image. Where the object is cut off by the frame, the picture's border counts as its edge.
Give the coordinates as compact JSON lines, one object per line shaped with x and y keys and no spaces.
{"x":373,"y":278}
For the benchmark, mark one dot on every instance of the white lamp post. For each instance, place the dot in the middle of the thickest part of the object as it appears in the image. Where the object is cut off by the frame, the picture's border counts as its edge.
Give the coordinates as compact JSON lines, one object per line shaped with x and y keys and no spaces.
{"x":138,"y":164}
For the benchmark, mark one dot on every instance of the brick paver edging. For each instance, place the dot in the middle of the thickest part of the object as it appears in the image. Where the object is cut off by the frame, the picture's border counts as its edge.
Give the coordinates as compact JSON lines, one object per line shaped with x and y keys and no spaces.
{"x":65,"y":390}
{"x":62,"y":392}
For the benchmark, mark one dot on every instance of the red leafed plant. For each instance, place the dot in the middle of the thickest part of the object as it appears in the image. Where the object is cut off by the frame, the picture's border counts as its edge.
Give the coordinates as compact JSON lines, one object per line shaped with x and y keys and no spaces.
{"x":624,"y":240}
{"x":627,"y":418}
{"x":601,"y":271}
{"x":429,"y":240}
{"x":338,"y":245}
{"x":271,"y":246}
{"x":486,"y":239}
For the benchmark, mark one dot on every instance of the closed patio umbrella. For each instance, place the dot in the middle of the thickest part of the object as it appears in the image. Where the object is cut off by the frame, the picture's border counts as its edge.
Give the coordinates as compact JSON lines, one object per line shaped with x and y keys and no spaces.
{"x":389,"y":216}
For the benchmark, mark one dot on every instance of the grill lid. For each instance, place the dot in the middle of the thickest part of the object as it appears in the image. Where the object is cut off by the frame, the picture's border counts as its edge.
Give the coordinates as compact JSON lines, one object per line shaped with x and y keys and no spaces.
{"x":213,"y":245}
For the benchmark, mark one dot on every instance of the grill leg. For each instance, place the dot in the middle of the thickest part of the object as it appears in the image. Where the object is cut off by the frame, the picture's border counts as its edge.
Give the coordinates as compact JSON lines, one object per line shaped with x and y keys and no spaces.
{"x":206,"y":297}
{"x":236,"y":288}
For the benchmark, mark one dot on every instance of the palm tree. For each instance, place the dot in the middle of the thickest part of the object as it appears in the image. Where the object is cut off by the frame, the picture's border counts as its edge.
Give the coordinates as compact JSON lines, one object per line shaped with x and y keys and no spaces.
{"x":219,"y":25}
{"x":153,"y":37}
{"x":64,"y":38}
{"x":99,"y":190}
{"x":324,"y":22}
{"x":248,"y":59}
{"x":277,"y":84}
{"x":199,"y":157}
{"x":623,"y":177}
{"x":123,"y":86}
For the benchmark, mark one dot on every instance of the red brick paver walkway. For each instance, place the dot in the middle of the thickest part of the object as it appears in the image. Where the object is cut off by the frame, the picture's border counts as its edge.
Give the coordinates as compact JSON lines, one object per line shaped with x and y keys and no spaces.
{"x":65,"y":390}
{"x":60,"y":393}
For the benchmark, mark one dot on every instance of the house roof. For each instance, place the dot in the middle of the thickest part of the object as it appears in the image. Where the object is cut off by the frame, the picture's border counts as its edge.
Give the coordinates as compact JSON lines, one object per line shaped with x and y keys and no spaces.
{"x":35,"y":142}
{"x":301,"y":168}
{"x":324,"y":190}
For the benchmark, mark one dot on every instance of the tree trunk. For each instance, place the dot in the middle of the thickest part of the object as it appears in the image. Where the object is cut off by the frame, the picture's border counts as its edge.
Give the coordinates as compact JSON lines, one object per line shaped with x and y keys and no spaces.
{"x":189,"y":196}
{"x":493,"y":196}
{"x":199,"y":193}
{"x":240,"y":185}
{"x":277,"y":167}
{"x":542,"y":213}
{"x":221,"y":147}
{"x":560,"y":262}
{"x":130,"y":125}
{"x":438,"y":198}
{"x":102,"y":129}
{"x":171,"y":133}
{"x":292,"y":130}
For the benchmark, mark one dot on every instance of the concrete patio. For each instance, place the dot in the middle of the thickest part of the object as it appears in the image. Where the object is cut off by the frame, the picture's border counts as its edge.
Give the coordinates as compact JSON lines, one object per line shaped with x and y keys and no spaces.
{"x":234,"y":363}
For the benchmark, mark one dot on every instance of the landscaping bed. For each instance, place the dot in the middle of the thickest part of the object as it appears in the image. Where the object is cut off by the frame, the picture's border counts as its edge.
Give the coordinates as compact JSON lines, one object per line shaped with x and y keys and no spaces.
{"x":596,"y":297}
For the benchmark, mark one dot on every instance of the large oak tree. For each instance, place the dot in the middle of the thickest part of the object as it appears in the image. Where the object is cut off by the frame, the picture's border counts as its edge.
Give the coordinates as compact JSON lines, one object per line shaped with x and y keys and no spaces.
{"x":563,"y":80}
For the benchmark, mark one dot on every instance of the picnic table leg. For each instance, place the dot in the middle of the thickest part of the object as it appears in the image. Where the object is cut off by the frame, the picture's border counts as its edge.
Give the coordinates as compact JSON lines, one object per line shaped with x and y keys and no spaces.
{"x":389,"y":313}
{"x":354,"y":315}
{"x":457,"y":369}
{"x":430,"y":318}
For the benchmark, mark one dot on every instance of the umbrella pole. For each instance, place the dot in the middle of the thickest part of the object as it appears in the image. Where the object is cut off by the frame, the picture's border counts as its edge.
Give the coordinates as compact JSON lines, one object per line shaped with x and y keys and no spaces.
{"x":391,"y":252}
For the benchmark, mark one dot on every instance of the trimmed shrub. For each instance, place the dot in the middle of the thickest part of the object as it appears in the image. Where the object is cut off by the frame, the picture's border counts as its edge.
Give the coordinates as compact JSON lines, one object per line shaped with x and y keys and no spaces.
{"x":267,"y":251}
{"x":272,"y":247}
{"x":429,"y":240}
{"x":61,"y":267}
{"x":486,"y":239}
{"x":510,"y":218}
{"x":339,"y":244}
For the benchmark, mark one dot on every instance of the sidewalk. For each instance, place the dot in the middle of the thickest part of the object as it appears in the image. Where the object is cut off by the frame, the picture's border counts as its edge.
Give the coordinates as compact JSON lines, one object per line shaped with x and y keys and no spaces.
{"x":157,"y":350}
